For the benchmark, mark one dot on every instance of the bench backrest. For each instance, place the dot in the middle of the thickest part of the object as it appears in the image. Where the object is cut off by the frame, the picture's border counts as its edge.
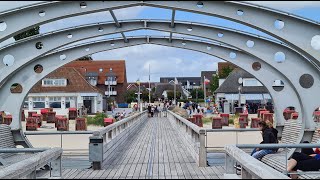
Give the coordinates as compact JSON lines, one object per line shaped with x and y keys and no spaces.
{"x":6,"y":139}
{"x":316,"y":135}
{"x":291,"y":132}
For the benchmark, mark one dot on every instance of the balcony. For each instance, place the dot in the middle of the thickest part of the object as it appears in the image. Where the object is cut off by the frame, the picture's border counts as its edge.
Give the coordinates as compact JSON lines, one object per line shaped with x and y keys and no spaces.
{"x":112,"y":83}
{"x":112,"y":93}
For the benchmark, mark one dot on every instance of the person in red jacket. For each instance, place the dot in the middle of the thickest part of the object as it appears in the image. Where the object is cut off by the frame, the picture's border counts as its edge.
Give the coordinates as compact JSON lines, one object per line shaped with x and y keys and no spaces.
{"x":307,"y":160}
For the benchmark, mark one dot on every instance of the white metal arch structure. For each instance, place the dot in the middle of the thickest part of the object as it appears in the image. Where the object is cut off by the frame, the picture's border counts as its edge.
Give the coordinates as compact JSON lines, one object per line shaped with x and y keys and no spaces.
{"x":290,"y":27}
{"x":53,"y":40}
{"x":27,"y":77}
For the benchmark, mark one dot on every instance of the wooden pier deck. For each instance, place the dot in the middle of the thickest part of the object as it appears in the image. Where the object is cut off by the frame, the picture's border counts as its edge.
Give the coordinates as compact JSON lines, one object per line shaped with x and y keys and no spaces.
{"x":153,"y":152}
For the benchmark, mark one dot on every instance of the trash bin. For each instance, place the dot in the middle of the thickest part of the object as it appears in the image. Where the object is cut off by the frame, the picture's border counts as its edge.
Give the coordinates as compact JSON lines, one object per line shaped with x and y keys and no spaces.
{"x":198,"y":120}
{"x":72,"y":113}
{"x":216,"y":123}
{"x":44,"y":113}
{"x":51,"y":117}
{"x":254,"y":122}
{"x":7,"y":119}
{"x":107,"y":121}
{"x":38,"y":118}
{"x":62,"y":123}
{"x":268,"y":116}
{"x":81,"y":124}
{"x":225,"y":119}
{"x":31,"y":124}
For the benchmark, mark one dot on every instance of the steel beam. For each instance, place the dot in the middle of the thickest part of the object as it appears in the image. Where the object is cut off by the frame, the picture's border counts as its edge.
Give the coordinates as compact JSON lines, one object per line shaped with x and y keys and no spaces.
{"x":115,"y":19}
{"x":124,"y":37}
{"x":172,"y":18}
{"x":297,"y":32}
{"x":262,"y":49}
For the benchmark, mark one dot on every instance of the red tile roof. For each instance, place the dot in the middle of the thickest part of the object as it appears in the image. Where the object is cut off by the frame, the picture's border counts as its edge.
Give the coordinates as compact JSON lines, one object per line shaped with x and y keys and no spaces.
{"x":118,"y":67}
{"x":76,"y":82}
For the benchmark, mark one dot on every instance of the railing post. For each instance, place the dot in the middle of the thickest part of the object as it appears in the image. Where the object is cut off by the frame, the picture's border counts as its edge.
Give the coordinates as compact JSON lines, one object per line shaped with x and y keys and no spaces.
{"x":229,"y":165}
{"x":202,"y":149}
{"x":245,"y":174}
{"x":96,"y":151}
{"x":56,"y":168}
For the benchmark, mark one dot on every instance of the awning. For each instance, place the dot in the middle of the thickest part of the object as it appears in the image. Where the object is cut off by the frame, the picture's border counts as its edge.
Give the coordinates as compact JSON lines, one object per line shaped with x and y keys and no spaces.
{"x":249,"y":97}
{"x":89,"y":94}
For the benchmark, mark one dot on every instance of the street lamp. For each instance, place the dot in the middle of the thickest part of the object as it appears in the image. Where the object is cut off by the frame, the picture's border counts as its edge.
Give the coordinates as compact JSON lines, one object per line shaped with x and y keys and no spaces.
{"x":138,"y":82}
{"x":196,"y":91}
{"x":240,"y":81}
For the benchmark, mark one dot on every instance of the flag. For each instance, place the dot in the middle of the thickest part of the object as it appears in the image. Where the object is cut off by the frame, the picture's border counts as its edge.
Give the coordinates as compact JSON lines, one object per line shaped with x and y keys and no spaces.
{"x":206,"y":81}
{"x":176,"y":81}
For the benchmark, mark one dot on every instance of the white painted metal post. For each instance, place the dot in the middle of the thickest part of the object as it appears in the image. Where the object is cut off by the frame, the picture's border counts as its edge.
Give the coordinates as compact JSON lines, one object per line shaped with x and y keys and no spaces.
{"x":202,"y":149}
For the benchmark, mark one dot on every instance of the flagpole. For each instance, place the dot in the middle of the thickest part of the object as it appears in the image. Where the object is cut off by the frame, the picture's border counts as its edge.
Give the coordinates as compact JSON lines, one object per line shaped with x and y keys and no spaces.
{"x":204,"y":90}
{"x":149,"y":86}
{"x":174,"y":93}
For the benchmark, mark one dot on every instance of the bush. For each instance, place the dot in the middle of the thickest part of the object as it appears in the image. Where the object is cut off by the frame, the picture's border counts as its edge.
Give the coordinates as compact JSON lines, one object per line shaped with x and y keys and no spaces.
{"x":96,"y":120}
{"x":233,"y":118}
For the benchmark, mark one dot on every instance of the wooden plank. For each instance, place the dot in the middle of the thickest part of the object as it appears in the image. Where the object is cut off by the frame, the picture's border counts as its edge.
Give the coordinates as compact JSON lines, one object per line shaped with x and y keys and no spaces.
{"x":74,"y":174}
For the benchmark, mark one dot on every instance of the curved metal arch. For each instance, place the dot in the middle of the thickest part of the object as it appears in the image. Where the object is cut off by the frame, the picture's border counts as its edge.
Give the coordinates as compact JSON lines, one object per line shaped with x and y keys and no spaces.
{"x":254,"y":16}
{"x":231,"y":38}
{"x":28,"y":77}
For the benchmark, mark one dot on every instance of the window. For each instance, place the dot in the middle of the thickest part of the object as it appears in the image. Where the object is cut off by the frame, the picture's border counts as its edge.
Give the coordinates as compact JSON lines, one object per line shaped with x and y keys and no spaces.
{"x":55,"y":102}
{"x":26,"y":103}
{"x":251,"y":82}
{"x":54,"y":82}
{"x":68,"y":100}
{"x":111,"y":78}
{"x":38,"y":102}
{"x":87,"y":97}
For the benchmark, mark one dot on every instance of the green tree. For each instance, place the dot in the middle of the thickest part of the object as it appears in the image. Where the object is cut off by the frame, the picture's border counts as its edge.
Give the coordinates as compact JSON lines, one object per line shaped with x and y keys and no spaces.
{"x":130,"y":96}
{"x":200,"y":94}
{"x":171,"y":95}
{"x":85,"y":58}
{"x":28,"y":33}
{"x":214,"y":84}
{"x":225,"y":72}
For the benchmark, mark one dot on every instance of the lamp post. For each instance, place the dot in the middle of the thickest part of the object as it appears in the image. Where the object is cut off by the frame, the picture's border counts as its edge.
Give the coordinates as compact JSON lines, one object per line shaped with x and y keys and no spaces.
{"x":109,"y":77}
{"x":196,"y":91}
{"x":139,"y":106}
{"x":240,"y":81}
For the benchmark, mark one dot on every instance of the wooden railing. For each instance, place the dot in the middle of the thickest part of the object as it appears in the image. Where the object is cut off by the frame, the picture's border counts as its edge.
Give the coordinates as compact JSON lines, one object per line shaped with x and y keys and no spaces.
{"x":251,"y":168}
{"x":193,"y":136}
{"x":27,"y":168}
{"x":105,"y":141}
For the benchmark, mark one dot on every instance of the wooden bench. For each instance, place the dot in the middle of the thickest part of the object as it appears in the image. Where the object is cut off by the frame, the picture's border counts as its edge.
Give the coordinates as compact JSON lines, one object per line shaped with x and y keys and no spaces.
{"x":314,"y":140}
{"x":290,"y":135}
{"x":10,"y":159}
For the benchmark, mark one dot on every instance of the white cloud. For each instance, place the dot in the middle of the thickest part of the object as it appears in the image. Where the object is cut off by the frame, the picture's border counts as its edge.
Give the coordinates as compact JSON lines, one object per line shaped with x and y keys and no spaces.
{"x":164,"y":61}
{"x":287,"y":5}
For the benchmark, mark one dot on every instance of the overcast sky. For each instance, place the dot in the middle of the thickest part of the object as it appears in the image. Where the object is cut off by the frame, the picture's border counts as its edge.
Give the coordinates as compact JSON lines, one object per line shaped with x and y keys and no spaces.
{"x":165,"y":61}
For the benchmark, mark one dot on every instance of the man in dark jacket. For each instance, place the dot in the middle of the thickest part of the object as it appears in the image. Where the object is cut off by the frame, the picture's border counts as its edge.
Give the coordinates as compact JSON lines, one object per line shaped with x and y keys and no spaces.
{"x":268,"y":138}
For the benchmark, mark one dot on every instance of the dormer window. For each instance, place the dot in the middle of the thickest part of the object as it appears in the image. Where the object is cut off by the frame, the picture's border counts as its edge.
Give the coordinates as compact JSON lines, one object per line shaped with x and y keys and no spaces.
{"x":92,"y":78}
{"x":54,"y":82}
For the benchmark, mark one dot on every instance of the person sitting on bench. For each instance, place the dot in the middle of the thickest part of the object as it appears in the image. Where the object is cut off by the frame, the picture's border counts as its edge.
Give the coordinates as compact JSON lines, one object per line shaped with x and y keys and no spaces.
{"x":306,"y":160}
{"x":268,"y":138}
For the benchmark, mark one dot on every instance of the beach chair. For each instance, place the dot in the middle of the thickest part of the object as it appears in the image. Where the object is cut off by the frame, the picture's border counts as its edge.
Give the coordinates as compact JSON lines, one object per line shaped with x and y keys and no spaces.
{"x":292,"y":134}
